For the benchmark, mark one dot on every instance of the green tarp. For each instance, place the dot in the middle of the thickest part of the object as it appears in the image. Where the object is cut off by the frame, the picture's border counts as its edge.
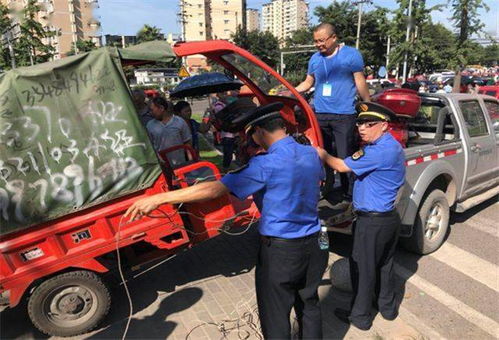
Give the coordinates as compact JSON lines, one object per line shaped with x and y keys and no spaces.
{"x":70,"y":137}
{"x":159,"y":51}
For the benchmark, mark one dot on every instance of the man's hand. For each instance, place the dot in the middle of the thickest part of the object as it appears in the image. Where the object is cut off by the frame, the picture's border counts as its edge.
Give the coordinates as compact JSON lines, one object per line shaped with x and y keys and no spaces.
{"x":143,"y":207}
{"x":333,"y":162}
{"x":322,"y":153}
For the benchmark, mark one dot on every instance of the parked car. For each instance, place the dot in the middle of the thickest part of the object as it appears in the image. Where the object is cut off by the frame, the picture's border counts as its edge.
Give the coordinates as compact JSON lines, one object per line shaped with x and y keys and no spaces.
{"x":490,"y":90}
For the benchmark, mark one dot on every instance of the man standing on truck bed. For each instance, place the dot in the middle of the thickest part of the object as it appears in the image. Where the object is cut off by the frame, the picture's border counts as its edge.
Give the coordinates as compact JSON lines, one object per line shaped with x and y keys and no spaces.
{"x":380,"y":171}
{"x":290,"y":263}
{"x":337,"y":72}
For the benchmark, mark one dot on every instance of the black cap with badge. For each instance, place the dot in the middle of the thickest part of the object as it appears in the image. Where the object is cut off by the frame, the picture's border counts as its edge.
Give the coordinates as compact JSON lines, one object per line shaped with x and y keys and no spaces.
{"x":374,"y":112}
{"x":249,"y":120}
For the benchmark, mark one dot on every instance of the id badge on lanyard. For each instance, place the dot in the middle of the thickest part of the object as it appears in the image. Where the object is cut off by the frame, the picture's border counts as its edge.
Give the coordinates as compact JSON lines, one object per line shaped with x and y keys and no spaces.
{"x":327,"y":89}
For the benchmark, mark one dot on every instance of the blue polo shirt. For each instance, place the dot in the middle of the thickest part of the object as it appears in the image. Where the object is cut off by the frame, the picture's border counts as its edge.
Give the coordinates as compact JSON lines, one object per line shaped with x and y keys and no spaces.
{"x":336,"y":70}
{"x":284,"y":183}
{"x":380,"y":173}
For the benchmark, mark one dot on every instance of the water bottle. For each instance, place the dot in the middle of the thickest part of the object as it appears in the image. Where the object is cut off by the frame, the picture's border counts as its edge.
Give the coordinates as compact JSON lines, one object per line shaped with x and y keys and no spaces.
{"x":323,"y":239}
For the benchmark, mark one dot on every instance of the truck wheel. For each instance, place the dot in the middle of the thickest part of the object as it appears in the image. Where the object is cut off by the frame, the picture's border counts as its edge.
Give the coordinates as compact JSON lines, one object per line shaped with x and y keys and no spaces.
{"x":69,"y":304}
{"x":431,"y":224}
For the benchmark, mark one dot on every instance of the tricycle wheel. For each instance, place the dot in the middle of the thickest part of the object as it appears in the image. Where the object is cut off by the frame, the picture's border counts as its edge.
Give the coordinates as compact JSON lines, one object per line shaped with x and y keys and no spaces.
{"x":69,"y":304}
{"x":430,"y":227}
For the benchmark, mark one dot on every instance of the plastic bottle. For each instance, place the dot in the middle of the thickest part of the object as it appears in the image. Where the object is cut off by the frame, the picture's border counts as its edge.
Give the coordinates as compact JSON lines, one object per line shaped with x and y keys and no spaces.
{"x":323,"y":239}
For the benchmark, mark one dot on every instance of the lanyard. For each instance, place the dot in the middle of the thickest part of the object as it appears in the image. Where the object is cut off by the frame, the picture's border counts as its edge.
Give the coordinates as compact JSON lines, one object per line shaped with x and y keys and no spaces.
{"x":324,"y":62}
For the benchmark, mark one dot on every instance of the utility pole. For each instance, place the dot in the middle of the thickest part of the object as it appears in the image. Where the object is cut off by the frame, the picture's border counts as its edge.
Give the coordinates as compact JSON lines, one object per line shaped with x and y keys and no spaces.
{"x":182,"y":19}
{"x":359,"y":21}
{"x":408,"y":33}
{"x":387,"y":57}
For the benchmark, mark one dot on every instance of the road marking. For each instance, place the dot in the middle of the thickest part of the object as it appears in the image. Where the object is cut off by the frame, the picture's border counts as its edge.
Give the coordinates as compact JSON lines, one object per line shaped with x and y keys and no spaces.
{"x":482,"y":321}
{"x":482,"y":224}
{"x":469,"y":264}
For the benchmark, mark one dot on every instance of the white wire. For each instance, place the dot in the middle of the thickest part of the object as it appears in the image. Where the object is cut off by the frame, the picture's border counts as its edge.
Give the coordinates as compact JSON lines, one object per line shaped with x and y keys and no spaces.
{"x":130,"y":304}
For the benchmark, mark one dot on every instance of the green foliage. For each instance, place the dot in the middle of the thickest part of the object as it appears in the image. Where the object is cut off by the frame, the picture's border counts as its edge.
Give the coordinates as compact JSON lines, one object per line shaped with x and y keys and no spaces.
{"x":5,"y":24}
{"x":29,"y":47}
{"x":343,"y":15}
{"x":82,"y":46}
{"x":262,"y":44}
{"x":149,"y":33}
{"x":297,"y":63}
{"x":465,"y":17}
{"x":490,"y":55}
{"x":374,"y":30}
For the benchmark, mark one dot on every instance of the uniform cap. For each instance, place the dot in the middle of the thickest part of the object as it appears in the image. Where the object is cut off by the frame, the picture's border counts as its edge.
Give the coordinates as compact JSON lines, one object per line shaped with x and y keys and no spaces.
{"x":259,"y":115}
{"x":368,"y":111}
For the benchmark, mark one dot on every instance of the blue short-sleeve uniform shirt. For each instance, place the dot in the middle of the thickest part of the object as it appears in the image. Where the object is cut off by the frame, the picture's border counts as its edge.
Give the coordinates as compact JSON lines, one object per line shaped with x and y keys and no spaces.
{"x":380,"y":172}
{"x":336,"y":70}
{"x":284,"y":183}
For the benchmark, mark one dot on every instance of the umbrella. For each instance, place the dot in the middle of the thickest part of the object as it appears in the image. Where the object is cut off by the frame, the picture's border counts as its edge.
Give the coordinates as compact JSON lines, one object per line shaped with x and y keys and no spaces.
{"x":205,"y":83}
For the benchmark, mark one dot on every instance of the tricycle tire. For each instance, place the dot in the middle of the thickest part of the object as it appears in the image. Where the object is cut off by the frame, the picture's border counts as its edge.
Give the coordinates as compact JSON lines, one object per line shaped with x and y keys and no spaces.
{"x":430,"y":227}
{"x":69,"y":304}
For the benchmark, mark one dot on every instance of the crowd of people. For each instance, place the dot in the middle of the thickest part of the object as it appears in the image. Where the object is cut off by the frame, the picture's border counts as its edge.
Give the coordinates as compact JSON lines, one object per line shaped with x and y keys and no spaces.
{"x":170,"y":124}
{"x":291,"y":262}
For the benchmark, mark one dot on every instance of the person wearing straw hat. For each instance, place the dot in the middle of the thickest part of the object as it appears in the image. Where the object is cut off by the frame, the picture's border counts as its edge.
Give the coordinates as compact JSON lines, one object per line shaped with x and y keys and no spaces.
{"x":290,"y":262}
{"x":379,"y":168}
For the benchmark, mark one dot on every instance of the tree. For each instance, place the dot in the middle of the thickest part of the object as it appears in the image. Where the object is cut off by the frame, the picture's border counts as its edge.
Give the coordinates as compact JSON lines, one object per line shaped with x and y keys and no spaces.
{"x":82,"y":46}
{"x":296,"y":64}
{"x":5,"y":27}
{"x":466,"y":19}
{"x":439,"y":46}
{"x":29,"y":48}
{"x":374,"y":30}
{"x":418,"y":53}
{"x":262,"y":44}
{"x":491,"y":55}
{"x":149,"y":33}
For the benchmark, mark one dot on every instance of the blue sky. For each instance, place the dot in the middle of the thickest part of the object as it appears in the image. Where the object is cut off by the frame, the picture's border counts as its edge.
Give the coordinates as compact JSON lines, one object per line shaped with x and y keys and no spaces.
{"x":126,"y":17}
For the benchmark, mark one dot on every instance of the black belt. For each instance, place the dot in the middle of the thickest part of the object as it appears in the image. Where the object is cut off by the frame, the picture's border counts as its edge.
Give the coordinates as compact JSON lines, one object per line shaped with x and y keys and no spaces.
{"x":272,"y":238}
{"x":375,"y":213}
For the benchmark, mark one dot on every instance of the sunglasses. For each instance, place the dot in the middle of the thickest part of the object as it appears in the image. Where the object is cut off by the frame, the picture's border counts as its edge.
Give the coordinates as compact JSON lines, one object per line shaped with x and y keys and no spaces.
{"x":367,"y":124}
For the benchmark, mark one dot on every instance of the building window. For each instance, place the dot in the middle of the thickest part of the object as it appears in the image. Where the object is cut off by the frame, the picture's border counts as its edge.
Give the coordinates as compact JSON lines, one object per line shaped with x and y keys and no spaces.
{"x":226,"y":2}
{"x":200,"y":33}
{"x":200,"y":6}
{"x":226,"y":22}
{"x":226,"y":12}
{"x":200,"y":24}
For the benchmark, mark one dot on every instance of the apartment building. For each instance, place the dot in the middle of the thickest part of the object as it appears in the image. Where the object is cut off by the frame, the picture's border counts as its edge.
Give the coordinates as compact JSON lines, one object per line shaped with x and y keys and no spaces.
{"x":72,"y":20}
{"x":210,"y":19}
{"x":282,"y":17}
{"x":252,"y":19}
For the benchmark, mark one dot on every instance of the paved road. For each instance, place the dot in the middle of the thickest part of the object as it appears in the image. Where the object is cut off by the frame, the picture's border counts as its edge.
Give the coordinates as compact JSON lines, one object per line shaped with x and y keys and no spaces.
{"x":453,"y":293}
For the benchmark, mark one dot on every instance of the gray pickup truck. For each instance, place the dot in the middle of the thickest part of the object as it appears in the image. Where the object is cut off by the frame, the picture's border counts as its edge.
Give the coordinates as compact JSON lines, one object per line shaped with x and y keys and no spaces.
{"x":452,"y":160}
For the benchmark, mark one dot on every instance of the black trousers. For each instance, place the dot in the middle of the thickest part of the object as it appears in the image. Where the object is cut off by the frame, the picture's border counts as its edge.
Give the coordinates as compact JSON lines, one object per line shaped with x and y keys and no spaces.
{"x":371,"y":267}
{"x":288,"y":273}
{"x":339,"y":133}
{"x":228,"y":145}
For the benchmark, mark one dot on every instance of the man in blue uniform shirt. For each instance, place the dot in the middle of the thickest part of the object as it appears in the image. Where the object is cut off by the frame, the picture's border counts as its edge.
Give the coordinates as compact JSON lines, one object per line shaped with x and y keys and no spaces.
{"x":379,"y":168}
{"x":290,"y":263}
{"x":337,"y":73}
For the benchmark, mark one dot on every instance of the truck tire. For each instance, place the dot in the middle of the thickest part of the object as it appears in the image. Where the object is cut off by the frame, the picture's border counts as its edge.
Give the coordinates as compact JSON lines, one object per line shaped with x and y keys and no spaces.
{"x":430,"y":227}
{"x":69,"y":304}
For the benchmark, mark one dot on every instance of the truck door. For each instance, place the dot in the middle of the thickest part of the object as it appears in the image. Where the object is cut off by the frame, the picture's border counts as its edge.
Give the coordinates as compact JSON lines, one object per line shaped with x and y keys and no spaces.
{"x":481,"y":151}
